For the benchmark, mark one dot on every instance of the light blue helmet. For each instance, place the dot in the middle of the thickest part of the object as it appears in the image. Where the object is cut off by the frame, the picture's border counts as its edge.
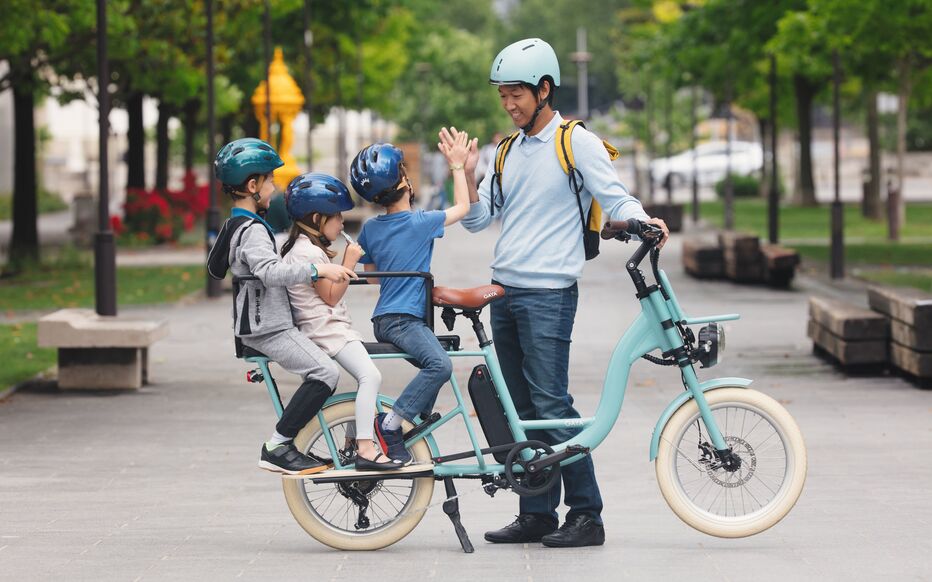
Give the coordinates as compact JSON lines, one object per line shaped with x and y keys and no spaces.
{"x":526,"y":61}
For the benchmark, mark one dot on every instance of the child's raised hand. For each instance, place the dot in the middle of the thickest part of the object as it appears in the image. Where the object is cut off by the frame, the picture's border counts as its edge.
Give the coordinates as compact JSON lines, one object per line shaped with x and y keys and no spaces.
{"x":454,"y":146}
{"x":353,"y":253}
{"x":335,"y":273}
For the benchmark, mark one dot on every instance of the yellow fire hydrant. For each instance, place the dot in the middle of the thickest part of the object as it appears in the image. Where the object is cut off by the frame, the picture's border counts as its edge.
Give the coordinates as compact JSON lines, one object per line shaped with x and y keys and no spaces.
{"x":286,"y":102}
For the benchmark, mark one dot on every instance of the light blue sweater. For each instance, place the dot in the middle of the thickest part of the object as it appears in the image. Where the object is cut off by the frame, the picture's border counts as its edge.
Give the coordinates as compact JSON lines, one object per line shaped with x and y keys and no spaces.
{"x":541,"y":244}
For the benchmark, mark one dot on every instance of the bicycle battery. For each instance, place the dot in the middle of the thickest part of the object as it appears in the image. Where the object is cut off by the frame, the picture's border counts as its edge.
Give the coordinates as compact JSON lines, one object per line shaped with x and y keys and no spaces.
{"x":489,"y":410}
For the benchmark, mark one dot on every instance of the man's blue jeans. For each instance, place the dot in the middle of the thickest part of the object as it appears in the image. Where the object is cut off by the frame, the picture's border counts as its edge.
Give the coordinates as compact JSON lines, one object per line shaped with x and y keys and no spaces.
{"x":412,"y":335}
{"x":531,"y":329}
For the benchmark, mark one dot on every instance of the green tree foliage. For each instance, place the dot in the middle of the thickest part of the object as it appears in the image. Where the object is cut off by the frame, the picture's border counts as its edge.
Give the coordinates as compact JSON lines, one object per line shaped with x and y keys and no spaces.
{"x":447,"y":84}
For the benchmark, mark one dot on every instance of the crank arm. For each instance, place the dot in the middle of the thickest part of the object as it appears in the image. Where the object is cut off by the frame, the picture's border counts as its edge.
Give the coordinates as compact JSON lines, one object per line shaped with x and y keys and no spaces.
{"x":570,"y":451}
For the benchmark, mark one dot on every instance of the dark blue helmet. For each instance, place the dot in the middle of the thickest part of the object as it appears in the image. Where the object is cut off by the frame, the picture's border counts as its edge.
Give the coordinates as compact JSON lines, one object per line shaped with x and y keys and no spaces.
{"x":376,"y":169}
{"x":316,"y":192}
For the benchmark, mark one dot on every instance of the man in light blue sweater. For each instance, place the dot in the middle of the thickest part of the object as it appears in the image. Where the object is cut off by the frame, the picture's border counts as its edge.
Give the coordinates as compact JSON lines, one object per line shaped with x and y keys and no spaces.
{"x":538,"y":259}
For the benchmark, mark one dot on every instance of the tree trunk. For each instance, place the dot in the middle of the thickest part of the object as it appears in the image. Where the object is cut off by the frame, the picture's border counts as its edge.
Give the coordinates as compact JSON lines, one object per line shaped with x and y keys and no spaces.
{"x":162,"y":143}
{"x":190,"y":129}
{"x":24,"y":243}
{"x":805,"y":185}
{"x":226,"y":130}
{"x":872,"y":205}
{"x":136,"y":138}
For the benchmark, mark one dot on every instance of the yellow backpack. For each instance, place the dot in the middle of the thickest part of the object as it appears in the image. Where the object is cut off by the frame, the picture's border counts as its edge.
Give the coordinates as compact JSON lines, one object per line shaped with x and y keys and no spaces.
{"x":593,"y":223}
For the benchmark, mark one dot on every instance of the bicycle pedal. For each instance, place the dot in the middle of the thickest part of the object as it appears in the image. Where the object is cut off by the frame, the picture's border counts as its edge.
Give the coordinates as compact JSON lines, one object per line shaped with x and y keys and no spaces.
{"x":434,"y":417}
{"x":255,"y":376}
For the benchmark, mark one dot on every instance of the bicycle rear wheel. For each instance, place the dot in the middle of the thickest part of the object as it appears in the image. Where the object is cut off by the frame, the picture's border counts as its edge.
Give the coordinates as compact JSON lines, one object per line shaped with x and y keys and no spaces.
{"x":330,"y":512}
{"x":732,"y":502}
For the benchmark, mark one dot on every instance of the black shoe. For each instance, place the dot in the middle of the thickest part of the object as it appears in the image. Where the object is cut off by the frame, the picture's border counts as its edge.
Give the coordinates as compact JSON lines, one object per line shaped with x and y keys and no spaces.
{"x":527,"y":528}
{"x":379,"y":463}
{"x":285,"y":458}
{"x":322,"y":460}
{"x":578,"y":531}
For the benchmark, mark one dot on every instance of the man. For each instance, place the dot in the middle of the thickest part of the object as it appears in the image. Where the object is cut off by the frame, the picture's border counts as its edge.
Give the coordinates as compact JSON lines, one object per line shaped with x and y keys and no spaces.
{"x":538,"y":259}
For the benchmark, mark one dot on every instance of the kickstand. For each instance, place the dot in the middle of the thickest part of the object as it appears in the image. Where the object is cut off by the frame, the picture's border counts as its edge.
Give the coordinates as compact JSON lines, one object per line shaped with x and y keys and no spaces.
{"x":452,"y":508}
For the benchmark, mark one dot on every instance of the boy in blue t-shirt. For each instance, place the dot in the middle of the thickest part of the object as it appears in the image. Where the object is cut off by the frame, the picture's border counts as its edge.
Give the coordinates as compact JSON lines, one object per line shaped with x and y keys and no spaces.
{"x":403,"y":240}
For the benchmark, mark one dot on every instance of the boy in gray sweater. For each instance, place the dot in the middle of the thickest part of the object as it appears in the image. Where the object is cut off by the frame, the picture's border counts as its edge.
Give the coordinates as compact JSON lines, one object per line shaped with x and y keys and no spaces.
{"x":262,"y":314}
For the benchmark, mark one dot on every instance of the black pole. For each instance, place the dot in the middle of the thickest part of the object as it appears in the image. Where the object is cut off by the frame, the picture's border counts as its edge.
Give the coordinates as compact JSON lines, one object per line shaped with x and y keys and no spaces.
{"x":104,"y":247}
{"x":213,"y":213}
{"x":729,"y":184}
{"x":267,"y":46}
{"x":838,"y":248}
{"x":668,"y":145}
{"x":773,"y":199}
{"x":692,"y":144}
{"x":308,"y":84}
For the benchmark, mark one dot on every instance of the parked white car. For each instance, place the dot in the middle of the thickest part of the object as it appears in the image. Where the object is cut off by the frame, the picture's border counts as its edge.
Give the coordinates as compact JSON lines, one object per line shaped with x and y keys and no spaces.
{"x":746,"y":158}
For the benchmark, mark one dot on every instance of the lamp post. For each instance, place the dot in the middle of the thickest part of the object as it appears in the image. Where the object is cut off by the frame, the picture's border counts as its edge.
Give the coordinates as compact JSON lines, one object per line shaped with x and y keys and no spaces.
{"x":773,"y":199}
{"x":308,"y":84}
{"x":581,"y":57}
{"x":104,"y":247}
{"x":838,"y":248}
{"x":214,"y":288}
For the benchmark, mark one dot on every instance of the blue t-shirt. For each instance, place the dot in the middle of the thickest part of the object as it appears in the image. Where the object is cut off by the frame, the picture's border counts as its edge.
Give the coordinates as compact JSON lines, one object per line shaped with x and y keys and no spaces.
{"x":402,"y":241}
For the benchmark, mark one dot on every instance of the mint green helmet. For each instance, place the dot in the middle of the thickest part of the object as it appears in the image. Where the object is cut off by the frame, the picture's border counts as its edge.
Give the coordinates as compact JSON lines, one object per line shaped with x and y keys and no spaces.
{"x":526,"y":61}
{"x":245,"y":157}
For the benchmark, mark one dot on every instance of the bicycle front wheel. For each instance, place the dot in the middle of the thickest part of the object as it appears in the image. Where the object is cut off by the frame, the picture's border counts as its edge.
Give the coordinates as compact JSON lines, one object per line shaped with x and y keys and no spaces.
{"x":732,"y":502}
{"x":331,"y":513}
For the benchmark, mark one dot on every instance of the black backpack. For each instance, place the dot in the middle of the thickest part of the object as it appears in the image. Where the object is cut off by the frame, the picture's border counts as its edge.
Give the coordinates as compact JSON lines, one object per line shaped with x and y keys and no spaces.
{"x":218,"y":259}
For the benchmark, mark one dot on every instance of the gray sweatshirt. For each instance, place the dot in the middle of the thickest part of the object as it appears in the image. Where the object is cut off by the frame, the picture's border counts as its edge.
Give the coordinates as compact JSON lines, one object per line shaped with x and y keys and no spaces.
{"x":261,"y":304}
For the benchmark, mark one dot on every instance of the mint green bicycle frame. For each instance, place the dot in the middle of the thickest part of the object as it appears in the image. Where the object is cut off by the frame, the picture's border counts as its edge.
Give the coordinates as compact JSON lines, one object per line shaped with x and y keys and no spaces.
{"x":643,"y":336}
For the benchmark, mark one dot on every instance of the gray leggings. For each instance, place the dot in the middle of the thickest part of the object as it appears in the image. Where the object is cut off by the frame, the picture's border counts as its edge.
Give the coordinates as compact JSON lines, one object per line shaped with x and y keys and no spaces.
{"x":355,"y":359}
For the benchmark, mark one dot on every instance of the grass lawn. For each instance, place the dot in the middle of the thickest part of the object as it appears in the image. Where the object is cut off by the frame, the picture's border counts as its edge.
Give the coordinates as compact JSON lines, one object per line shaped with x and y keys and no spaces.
{"x":920,"y":278}
{"x":47,"y":202}
{"x":21,"y":358}
{"x":72,"y":285}
{"x":798,"y":223}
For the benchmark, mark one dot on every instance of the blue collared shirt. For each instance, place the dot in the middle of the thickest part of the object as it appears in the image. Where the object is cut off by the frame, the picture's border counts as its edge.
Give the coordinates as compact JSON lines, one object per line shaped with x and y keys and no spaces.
{"x":541,"y":243}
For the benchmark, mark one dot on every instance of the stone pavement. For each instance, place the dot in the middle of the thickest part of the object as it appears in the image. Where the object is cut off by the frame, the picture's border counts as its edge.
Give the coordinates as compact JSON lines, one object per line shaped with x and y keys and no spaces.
{"x":161,"y":484}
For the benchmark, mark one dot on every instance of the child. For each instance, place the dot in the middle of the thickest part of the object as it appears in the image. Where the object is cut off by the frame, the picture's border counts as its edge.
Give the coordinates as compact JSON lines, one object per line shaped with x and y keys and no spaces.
{"x":403,"y":240}
{"x":262,"y":314}
{"x":315,"y":203}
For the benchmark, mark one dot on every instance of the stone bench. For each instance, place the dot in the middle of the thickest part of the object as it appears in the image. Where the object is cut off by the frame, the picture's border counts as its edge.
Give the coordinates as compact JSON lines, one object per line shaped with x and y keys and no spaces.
{"x":97,"y":351}
{"x":910,"y":313}
{"x":851,"y":335}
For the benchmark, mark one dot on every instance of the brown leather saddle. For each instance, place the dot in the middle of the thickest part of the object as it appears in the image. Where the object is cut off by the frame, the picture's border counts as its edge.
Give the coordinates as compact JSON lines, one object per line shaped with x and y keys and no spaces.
{"x":474,"y":298}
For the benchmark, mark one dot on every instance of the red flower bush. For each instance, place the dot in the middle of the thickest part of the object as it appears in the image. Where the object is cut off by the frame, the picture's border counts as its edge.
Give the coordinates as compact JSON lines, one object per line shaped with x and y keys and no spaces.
{"x":162,"y":215}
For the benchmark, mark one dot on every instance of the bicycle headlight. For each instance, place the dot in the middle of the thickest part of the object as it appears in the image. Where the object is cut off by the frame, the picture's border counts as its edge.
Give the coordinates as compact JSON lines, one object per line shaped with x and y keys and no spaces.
{"x":711,"y":344}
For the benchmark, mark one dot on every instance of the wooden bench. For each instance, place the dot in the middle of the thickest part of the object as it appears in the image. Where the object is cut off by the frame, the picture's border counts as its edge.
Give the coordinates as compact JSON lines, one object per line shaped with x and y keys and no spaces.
{"x":671,"y":214}
{"x":910,"y":313}
{"x":779,"y":265}
{"x":703,"y":259}
{"x":99,"y":352}
{"x":851,"y":335}
{"x":742,"y":256}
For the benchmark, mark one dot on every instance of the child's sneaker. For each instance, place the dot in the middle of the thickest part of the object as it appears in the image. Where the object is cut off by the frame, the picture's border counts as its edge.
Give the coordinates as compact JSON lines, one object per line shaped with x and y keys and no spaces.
{"x":285,"y":458}
{"x":391,"y":441}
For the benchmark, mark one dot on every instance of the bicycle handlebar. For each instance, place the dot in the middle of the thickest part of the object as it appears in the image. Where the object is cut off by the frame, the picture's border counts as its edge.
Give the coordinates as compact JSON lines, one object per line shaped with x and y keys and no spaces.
{"x":364,"y":276}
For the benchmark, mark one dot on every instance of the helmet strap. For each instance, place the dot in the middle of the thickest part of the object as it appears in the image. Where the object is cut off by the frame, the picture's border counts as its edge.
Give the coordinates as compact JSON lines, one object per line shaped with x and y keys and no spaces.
{"x":312,"y":231}
{"x":540,"y":105}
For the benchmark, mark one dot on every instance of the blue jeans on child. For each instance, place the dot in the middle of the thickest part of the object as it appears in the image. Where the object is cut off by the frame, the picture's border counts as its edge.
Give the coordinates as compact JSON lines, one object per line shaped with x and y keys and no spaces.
{"x":412,"y":335}
{"x":531,"y":329}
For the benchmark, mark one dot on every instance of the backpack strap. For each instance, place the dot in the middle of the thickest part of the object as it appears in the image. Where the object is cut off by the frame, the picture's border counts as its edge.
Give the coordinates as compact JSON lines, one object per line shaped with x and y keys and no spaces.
{"x":564,"y":145}
{"x":501,"y":150}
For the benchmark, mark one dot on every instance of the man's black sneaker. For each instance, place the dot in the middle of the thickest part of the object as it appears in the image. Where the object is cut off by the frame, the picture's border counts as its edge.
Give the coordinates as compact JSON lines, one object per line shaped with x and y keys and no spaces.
{"x":391,"y":441}
{"x":578,"y":531}
{"x":285,"y":458}
{"x":527,"y":528}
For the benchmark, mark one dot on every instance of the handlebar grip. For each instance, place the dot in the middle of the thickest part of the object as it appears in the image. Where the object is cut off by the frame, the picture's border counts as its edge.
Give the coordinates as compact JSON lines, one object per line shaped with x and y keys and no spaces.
{"x":613,"y":228}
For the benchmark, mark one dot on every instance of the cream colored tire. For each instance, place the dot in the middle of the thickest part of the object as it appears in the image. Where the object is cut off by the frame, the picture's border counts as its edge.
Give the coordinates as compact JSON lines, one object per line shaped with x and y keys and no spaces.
{"x":784,"y":450}
{"x":339,"y":538}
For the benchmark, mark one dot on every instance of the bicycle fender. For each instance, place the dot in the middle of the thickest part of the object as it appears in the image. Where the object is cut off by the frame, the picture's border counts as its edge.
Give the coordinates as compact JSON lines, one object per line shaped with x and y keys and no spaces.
{"x":683,"y":399}
{"x":350,"y":396}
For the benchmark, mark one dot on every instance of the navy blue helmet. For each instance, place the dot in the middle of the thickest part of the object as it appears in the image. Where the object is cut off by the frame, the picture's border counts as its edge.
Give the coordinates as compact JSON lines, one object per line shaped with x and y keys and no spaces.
{"x":376,"y":169}
{"x":316,"y":192}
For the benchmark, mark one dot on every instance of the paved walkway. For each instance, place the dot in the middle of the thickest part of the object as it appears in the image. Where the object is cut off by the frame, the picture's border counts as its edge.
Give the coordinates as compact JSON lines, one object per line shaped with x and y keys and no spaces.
{"x":161,"y":484}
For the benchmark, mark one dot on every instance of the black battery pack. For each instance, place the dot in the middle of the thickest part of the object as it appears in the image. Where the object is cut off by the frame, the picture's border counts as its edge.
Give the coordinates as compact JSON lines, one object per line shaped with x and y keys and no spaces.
{"x":489,"y":410}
